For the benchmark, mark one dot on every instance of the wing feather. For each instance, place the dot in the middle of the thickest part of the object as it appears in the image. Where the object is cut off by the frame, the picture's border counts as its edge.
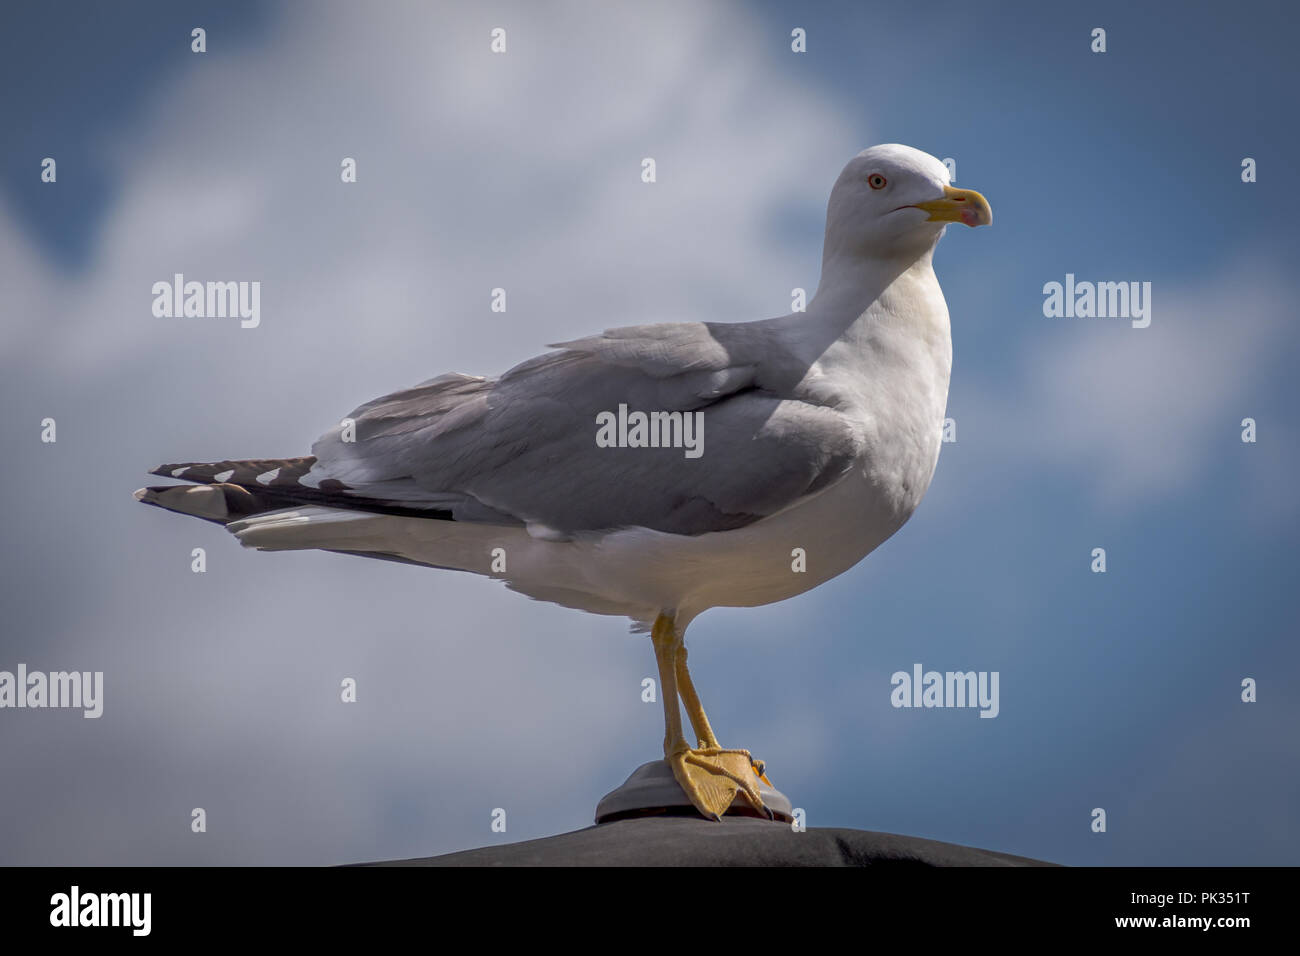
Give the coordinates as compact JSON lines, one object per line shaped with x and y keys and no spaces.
{"x":523,"y":447}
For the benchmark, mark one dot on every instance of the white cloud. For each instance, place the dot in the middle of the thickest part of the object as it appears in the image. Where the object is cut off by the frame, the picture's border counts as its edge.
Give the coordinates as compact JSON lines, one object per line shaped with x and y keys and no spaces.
{"x":1145,"y":414}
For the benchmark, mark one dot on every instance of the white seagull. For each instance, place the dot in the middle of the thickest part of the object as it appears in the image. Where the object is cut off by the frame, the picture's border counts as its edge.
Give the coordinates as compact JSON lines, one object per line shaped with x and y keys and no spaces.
{"x":655,"y":471}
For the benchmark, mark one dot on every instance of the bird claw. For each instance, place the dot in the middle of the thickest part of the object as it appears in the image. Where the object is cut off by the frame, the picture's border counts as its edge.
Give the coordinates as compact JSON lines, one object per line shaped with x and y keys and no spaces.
{"x":713,"y":778}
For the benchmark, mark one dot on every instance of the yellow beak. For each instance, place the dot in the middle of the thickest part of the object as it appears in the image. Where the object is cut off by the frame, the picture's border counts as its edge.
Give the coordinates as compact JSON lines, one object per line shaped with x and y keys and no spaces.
{"x":958,"y":205}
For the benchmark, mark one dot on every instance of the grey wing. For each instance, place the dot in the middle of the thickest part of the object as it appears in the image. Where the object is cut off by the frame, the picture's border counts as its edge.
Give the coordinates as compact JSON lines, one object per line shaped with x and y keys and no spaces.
{"x":524,"y":448}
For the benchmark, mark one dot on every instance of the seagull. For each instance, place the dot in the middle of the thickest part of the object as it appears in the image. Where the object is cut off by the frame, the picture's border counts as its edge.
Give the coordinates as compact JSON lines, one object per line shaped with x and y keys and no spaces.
{"x":655,"y":471}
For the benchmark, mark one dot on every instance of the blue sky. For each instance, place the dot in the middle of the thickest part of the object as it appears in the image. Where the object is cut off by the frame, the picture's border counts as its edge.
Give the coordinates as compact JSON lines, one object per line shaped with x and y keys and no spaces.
{"x":1118,"y":690}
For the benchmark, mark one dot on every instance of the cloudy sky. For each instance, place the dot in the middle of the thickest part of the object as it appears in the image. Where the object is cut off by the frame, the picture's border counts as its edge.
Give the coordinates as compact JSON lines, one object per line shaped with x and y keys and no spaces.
{"x":1119,"y":690}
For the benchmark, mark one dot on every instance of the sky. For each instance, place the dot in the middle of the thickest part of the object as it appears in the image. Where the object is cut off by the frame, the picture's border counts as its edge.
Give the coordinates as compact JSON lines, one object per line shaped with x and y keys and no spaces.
{"x":1120,"y":690}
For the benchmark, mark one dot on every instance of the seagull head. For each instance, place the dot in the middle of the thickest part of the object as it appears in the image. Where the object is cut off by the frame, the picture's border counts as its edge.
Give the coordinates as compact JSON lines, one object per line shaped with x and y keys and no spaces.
{"x":893,"y":201}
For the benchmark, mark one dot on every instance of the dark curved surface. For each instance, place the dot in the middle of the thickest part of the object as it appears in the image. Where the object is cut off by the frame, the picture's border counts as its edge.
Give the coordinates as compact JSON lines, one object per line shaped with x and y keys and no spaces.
{"x":737,"y":841}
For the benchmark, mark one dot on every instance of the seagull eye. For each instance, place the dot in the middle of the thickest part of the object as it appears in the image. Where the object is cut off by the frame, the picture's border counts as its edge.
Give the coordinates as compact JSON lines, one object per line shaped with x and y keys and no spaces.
{"x":876,"y":181}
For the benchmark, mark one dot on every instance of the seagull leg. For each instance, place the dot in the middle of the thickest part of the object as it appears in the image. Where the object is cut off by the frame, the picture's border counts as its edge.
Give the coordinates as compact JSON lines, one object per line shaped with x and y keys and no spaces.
{"x":691,"y":701}
{"x":711,"y":776}
{"x":699,"y":720}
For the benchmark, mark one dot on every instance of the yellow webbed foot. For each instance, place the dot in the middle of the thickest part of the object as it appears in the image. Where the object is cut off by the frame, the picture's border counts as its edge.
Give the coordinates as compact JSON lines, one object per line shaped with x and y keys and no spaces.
{"x":713,"y":778}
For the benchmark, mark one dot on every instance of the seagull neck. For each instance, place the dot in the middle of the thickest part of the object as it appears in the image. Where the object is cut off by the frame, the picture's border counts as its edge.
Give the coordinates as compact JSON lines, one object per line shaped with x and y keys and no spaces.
{"x":850,"y":284}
